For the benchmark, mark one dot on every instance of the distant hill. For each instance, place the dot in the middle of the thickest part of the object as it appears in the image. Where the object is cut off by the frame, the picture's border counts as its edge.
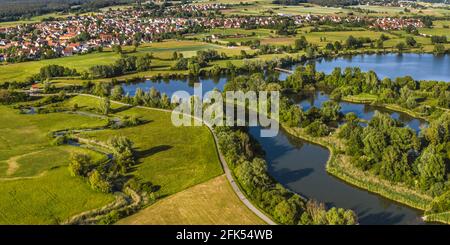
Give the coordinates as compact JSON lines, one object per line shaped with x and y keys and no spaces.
{"x":18,"y":9}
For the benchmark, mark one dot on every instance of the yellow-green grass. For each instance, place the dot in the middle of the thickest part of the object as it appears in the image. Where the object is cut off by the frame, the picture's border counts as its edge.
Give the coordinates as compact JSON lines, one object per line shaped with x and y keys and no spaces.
{"x":173,"y":158}
{"x":35,"y":186}
{"x":34,"y":163}
{"x":314,"y":37}
{"x":21,"y":134}
{"x":49,"y":199}
{"x":20,"y":71}
{"x":36,"y":19}
{"x":262,"y":7}
{"x":164,"y":50}
{"x":210,"y":203}
{"x":89,"y":103}
{"x":440,"y":28}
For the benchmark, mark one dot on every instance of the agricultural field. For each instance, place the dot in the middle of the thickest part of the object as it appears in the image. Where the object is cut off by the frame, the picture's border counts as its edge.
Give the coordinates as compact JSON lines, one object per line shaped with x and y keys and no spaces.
{"x":36,"y":19}
{"x":440,"y":28}
{"x":161,"y":51}
{"x":211,"y":202}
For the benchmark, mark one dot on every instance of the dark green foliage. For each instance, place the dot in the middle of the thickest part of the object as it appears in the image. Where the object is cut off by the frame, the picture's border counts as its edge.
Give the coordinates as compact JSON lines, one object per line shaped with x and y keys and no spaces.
{"x":9,"y":97}
{"x":251,"y":171}
{"x":51,"y":71}
{"x":79,"y":165}
{"x":124,"y":65}
{"x":317,"y":129}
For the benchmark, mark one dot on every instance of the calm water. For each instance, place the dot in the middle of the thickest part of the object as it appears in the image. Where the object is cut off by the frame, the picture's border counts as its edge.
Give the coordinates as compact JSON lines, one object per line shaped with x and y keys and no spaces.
{"x":418,"y":66}
{"x":300,"y":166}
{"x":173,"y":85}
{"x":362,"y":111}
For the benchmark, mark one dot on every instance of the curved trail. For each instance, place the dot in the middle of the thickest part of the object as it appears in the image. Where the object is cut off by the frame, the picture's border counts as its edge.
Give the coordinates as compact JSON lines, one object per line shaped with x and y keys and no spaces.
{"x":223,"y":162}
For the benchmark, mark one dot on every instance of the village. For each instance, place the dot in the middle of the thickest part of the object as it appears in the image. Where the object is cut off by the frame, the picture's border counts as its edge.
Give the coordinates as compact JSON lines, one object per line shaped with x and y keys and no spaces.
{"x":86,"y":33}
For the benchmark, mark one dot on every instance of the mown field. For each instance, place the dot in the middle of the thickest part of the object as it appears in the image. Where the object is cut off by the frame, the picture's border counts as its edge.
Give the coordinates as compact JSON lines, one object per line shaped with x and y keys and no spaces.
{"x":211,"y":202}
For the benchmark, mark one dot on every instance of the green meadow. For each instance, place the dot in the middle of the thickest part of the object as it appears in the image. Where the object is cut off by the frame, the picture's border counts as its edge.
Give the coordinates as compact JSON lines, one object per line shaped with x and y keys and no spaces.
{"x":173,"y":158}
{"x":35,"y":185}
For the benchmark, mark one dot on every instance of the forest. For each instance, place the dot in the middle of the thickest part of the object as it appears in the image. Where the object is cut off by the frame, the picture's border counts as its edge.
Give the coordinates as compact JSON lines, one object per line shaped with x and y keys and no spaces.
{"x":12,"y":10}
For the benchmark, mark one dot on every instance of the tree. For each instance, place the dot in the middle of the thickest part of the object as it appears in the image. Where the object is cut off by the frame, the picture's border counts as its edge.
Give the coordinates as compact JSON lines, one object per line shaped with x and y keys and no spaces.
{"x":439,"y":49}
{"x":194,"y":68}
{"x":79,"y":164}
{"x":105,"y":106}
{"x":285,"y":213}
{"x":143,"y":63}
{"x":99,"y":182}
{"x":337,"y":46}
{"x":300,"y":43}
{"x":353,"y":43}
{"x":410,"y":41}
{"x":400,"y":46}
{"x":380,"y":44}
{"x":431,"y":167}
{"x":117,"y":92}
{"x":117,"y":49}
{"x":329,"y":46}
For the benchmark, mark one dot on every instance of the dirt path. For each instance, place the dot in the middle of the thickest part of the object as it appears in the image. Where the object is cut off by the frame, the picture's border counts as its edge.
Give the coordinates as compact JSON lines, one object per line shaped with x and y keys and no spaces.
{"x":13,"y":165}
{"x":22,"y":178}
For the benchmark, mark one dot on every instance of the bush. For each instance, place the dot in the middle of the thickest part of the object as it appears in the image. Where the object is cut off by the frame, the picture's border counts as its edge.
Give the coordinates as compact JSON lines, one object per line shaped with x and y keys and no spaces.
{"x":317,"y":129}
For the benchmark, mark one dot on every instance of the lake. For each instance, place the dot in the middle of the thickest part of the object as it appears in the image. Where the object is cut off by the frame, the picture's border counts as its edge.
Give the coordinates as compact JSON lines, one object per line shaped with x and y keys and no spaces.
{"x":300,"y":165}
{"x":418,"y":66}
{"x":363,"y":111}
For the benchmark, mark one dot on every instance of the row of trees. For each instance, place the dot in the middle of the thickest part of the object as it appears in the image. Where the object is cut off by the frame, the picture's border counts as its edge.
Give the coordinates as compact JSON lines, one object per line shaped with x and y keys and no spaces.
{"x":125,"y":64}
{"x":50,"y":71}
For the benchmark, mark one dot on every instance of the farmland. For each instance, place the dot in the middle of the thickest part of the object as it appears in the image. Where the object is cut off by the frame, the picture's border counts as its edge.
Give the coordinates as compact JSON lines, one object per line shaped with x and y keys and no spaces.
{"x":211,"y":202}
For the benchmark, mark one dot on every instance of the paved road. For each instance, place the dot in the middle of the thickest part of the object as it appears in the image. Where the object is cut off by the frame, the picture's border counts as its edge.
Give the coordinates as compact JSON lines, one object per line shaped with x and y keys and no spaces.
{"x":225,"y":167}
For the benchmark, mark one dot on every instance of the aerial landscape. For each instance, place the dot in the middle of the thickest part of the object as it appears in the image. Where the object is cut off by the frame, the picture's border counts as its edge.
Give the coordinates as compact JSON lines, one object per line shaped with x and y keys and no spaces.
{"x":105,"y":108}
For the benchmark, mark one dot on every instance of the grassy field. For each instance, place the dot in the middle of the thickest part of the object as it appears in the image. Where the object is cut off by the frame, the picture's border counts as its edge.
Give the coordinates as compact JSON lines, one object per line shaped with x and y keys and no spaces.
{"x":212,"y":202}
{"x":22,"y":134}
{"x":164,"y":50}
{"x":86,"y":103}
{"x":35,"y":186}
{"x":173,"y":158}
{"x":440,"y":28}
{"x":266,"y":7}
{"x":48,"y":199}
{"x":36,"y":19}
{"x":20,"y":71}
